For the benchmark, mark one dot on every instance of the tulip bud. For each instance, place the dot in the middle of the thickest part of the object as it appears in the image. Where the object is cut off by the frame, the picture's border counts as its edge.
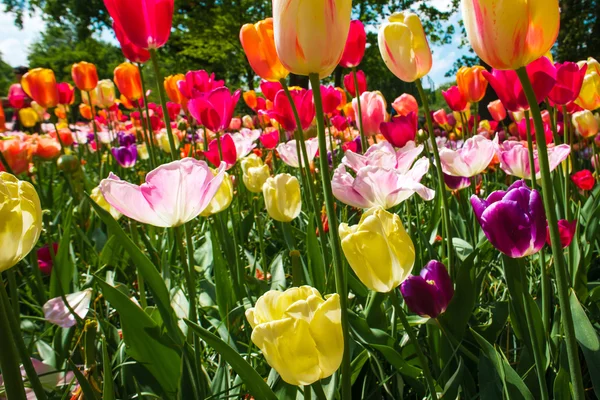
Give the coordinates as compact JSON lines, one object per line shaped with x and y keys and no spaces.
{"x":378,"y":249}
{"x":28,"y":117}
{"x":250,"y":99}
{"x":373,"y":107}
{"x":584,"y":180}
{"x":66,"y":93}
{"x":349,"y":83}
{"x":128,"y":81}
{"x":85,"y":76}
{"x":455,"y":99}
{"x":282,"y":197}
{"x":299,"y":333}
{"x":429,"y":293}
{"x":20,"y":219}
{"x":497,"y":110}
{"x":258,"y":42}
{"x":255,"y":173}
{"x":40,"y":85}
{"x":172,"y":88}
{"x":471,"y":83}
{"x":223,"y":197}
{"x":404,"y":47}
{"x":105,"y":93}
{"x":85,"y":111}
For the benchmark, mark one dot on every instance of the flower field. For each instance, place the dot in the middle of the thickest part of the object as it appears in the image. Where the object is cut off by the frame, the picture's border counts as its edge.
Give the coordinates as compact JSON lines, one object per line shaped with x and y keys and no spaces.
{"x":180,"y":238}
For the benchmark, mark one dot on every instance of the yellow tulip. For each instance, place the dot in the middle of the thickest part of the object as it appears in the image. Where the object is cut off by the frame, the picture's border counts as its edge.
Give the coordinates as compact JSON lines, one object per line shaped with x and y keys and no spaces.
{"x":310,"y":35}
{"x":142,"y":151}
{"x":222,"y":198}
{"x":404,"y":47}
{"x":99,"y":199}
{"x":585,"y":123}
{"x":510,"y":34}
{"x":589,"y":96}
{"x":282,"y":197}
{"x":105,"y":93}
{"x":378,"y":249}
{"x":299,"y":333}
{"x":163,"y":141}
{"x":20,"y":219}
{"x":85,"y":97}
{"x":255,"y":173}
{"x":28,"y":117}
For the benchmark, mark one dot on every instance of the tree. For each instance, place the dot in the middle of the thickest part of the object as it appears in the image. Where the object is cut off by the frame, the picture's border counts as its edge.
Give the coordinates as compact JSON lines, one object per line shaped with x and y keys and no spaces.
{"x":579,"y":36}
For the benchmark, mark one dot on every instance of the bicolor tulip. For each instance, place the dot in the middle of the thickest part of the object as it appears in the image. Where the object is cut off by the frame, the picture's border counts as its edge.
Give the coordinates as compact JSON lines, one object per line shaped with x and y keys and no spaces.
{"x":310,"y":36}
{"x":511,"y":34}
{"x":404,"y":47}
{"x":584,"y":180}
{"x":455,"y":99}
{"x":497,"y":110}
{"x":299,"y":333}
{"x":355,"y":45}
{"x":471,"y":83}
{"x":289,"y":154}
{"x":128,"y":81}
{"x":349,"y":83}
{"x":282,"y":109}
{"x":374,"y":111}
{"x":44,"y":258}
{"x":57,"y":312}
{"x":40,"y":85}
{"x":589,"y":96}
{"x":566,"y":230}
{"x":146,"y":23}
{"x":471,"y":159}
{"x":17,"y":153}
{"x":90,"y":98}
{"x":222,"y":199}
{"x":585,"y":123}
{"x":16,"y":96}
{"x":126,"y":156}
{"x":198,"y":83}
{"x":84,"y":75}
{"x":105,"y":93}
{"x":171,"y":85}
{"x":378,"y":249}
{"x":20,"y":219}
{"x":250,"y":99}
{"x":400,"y":130}
{"x":228,"y":149}
{"x":173,"y":194}
{"x":441,"y":118}
{"x":255,"y":173}
{"x":406,"y":104}
{"x":66,"y":93}
{"x":99,"y":199}
{"x":258,"y":41}
{"x":282,"y":197}
{"x":456,"y":182}
{"x":429,"y":293}
{"x":569,"y":79}
{"x":514,"y":221}
{"x":215,"y":110}
{"x":514,"y":158}
{"x":131,"y":52}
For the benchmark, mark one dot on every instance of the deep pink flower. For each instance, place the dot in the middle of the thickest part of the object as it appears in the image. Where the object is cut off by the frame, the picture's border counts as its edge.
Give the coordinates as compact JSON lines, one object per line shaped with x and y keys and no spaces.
{"x":569,"y":78}
{"x":332,"y":98}
{"x":270,"y":140}
{"x":282,"y":110}
{"x":454,"y":98}
{"x":400,"y":130}
{"x":45,"y":258}
{"x":355,"y":45}
{"x":227,"y":148}
{"x":66,"y":93}
{"x":215,"y":109}
{"x":340,"y":122}
{"x":270,"y":89}
{"x":131,"y":52}
{"x":16,"y":96}
{"x":349,"y":83}
{"x":522,"y":128}
{"x":566,"y":231}
{"x":198,"y":83}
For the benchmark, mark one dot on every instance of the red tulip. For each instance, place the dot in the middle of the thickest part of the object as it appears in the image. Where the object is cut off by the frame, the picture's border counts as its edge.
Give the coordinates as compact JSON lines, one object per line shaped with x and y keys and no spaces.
{"x":45,"y":258}
{"x":355,"y":45}
{"x":197,"y":83}
{"x":441,"y":117}
{"x":270,"y":89}
{"x":131,"y":52}
{"x":227,"y":148}
{"x":349,"y":83}
{"x":66,"y":93}
{"x":270,"y":140}
{"x":146,"y":23}
{"x":454,"y":98}
{"x":566,"y":230}
{"x":282,"y":110}
{"x":569,"y":78}
{"x":584,"y":179}
{"x":332,"y":98}
{"x":400,"y":130}
{"x":340,"y":122}
{"x":215,"y":109}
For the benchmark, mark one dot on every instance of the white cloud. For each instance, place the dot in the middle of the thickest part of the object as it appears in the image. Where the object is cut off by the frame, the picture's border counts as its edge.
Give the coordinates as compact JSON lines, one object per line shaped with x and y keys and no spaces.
{"x":15,"y":42}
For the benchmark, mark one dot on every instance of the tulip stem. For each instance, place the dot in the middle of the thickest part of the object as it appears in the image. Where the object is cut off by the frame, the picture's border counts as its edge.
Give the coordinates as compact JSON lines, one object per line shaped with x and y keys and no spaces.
{"x":440,"y":174}
{"x":338,"y":264}
{"x":475,"y":116}
{"x":413,"y":339}
{"x":147,"y":137}
{"x":9,"y":360}
{"x":530,"y":148}
{"x":363,"y":139}
{"x":163,"y":101}
{"x":148,"y":125}
{"x":99,"y":154}
{"x":318,"y":388}
{"x":62,"y":146}
{"x":560,"y":271}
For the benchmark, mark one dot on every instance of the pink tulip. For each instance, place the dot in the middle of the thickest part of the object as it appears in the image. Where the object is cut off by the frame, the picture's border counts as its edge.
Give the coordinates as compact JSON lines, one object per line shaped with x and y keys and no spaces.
{"x":131,"y":52}
{"x":198,"y":83}
{"x":373,"y":109}
{"x":355,"y":45}
{"x":270,"y":140}
{"x":497,"y":110}
{"x":454,"y":98}
{"x":172,"y":195}
{"x":471,"y":159}
{"x":57,"y":312}
{"x":349,"y":83}
{"x":569,"y":79}
{"x":228,"y":148}
{"x":340,"y":122}
{"x":215,"y":110}
{"x":16,"y":96}
{"x":146,"y":23}
{"x":383,"y":155}
{"x":282,"y":109}
{"x":514,"y":158}
{"x":405,"y":104}
{"x":400,"y":130}
{"x":289,"y":154}
{"x":332,"y":98}
{"x":522,"y":129}
{"x":270,"y":89}
{"x":441,"y":117}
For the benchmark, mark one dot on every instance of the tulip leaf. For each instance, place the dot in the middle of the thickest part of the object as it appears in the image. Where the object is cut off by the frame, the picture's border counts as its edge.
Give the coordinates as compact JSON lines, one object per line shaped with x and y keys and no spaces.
{"x":62,"y":271}
{"x":148,"y":271}
{"x":277,"y":273}
{"x":398,"y":361}
{"x":588,"y":341}
{"x":108,"y":391}
{"x":253,"y":381}
{"x":315,"y":260}
{"x":223,"y":283}
{"x":453,"y":385}
{"x":145,"y":342}
{"x":562,"y":382}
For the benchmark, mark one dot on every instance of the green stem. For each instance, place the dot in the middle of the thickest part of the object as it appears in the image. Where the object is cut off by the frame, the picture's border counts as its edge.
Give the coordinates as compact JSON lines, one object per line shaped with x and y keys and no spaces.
{"x":338,"y":264}
{"x":475,"y":115}
{"x":363,"y":139}
{"x":151,"y":150}
{"x":318,"y":388}
{"x":62,"y":146}
{"x":440,"y":174}
{"x":163,"y":102}
{"x":98,"y":144}
{"x":9,"y":360}
{"x":562,"y":282}
{"x":296,"y":267}
{"x":530,"y":148}
{"x":259,"y":228}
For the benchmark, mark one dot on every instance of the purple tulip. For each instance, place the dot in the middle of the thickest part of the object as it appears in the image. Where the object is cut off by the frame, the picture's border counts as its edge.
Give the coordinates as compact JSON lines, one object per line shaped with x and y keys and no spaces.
{"x":429,"y":293}
{"x":514,"y":221}
{"x":125,"y":139}
{"x":126,"y":156}
{"x":456,"y":182}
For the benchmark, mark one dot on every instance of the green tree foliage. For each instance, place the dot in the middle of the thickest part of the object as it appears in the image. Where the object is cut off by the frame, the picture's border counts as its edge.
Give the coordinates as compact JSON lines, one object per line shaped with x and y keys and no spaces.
{"x":579,"y":36}
{"x":6,"y":76}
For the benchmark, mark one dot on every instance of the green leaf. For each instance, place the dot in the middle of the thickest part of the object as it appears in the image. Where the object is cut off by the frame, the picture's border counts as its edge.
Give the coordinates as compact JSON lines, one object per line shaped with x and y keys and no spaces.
{"x":223,"y":283}
{"x":453,"y":385}
{"x":108,"y":391}
{"x":145,"y":343}
{"x":62,"y":273}
{"x":463,"y":248}
{"x":315,"y":259}
{"x":588,"y":341}
{"x":253,"y":381}
{"x":357,"y":364}
{"x":394,"y":358}
{"x":277,"y":273}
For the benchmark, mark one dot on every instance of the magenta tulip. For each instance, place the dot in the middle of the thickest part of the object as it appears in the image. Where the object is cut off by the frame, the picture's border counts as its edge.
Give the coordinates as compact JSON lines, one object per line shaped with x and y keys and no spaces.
{"x":355,"y":45}
{"x":282,"y":109}
{"x":332,"y":98}
{"x":454,"y":98}
{"x":228,"y":149}
{"x":215,"y":110}
{"x":569,"y":79}
{"x":198,"y":83}
{"x":400,"y":130}
{"x":566,"y":230}
{"x":349,"y":83}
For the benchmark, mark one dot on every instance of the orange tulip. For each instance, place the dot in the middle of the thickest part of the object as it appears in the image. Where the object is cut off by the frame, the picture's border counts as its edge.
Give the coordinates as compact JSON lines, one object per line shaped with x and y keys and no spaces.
{"x":125,"y":102}
{"x":471,"y":83}
{"x":258,"y":42}
{"x":40,"y":85}
{"x":85,"y":76}
{"x":46,"y":148}
{"x":344,"y":98}
{"x":127,"y":79}
{"x":250,"y":99}
{"x":173,"y":91}
{"x":17,"y":153}
{"x":85,"y":111}
{"x":60,"y":112}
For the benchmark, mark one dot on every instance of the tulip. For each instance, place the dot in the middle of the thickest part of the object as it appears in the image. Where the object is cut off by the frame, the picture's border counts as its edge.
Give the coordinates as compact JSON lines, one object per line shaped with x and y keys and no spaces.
{"x":441,"y":118}
{"x":331,"y":98}
{"x":569,"y":79}
{"x":404,"y":47}
{"x":455,"y":99}
{"x":222,"y":199}
{"x":289,"y":153}
{"x":146,"y":23}
{"x":511,"y":34}
{"x":40,"y":85}
{"x":589,"y":96}
{"x":514,"y":159}
{"x":270,"y":89}
{"x":585,"y":123}
{"x":99,"y":199}
{"x":255,"y":173}
{"x":456,"y":182}
{"x":247,"y":122}
{"x":310,"y":36}
{"x":28,"y":117}
{"x":131,"y":52}
{"x":299,"y":333}
{"x":378,"y":249}
{"x":514,"y":221}
{"x":105,"y":93}
{"x":90,"y":98}
{"x":340,"y":122}
{"x":497,"y":110}
{"x":44,"y":258}
{"x":215,"y":110}
{"x":429,"y":293}
{"x":282,"y":110}
{"x":566,"y":231}
{"x":173,"y":194}
{"x":522,"y":130}
{"x":66,"y":93}
{"x":228,"y":149}
{"x":56,"y":311}
{"x":373,"y":107}
{"x":171,"y":84}
{"x":85,"y":76}
{"x":349,"y":83}
{"x":400,"y":130}
{"x":126,"y":156}
{"x":128,"y":81}
{"x":163,"y":140}
{"x":406,"y":104}
{"x":355,"y":45}
{"x":20,"y":219}
{"x":471,"y":83}
{"x":584,"y":180}
{"x":250,"y":99}
{"x":197,"y":84}
{"x":17,"y":153}
{"x":85,"y":111}
{"x":244,"y":143}
{"x":270,"y":140}
{"x":282,"y":197}
{"x":142,"y":151}
{"x":47,"y":148}
{"x":470,"y":160}
{"x":258,"y":42}
{"x":16,"y":96}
